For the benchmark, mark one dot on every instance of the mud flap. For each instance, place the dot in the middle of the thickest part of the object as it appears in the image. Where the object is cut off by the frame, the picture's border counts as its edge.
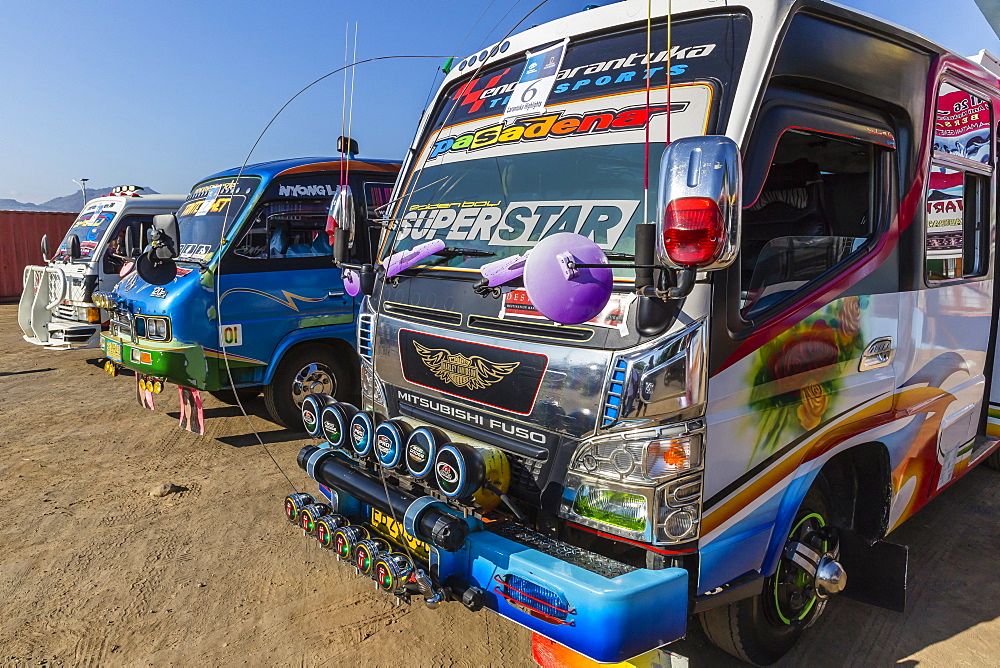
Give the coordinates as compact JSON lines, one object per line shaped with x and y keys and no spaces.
{"x":143,"y":396}
{"x":192,"y":413}
{"x":876,"y":574}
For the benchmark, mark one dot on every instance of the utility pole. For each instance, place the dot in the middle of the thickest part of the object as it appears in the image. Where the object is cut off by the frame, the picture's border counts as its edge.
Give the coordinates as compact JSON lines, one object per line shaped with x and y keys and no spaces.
{"x":83,"y":186}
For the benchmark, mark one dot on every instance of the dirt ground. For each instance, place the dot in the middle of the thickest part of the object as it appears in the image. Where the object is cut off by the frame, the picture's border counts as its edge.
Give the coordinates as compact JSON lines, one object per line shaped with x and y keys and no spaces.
{"x":95,"y":571}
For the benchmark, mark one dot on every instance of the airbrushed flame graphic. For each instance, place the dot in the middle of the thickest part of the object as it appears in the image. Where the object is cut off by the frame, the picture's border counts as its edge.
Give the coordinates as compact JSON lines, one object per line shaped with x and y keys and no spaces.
{"x":289,"y":298}
{"x":475,"y":373}
{"x":912,"y":447}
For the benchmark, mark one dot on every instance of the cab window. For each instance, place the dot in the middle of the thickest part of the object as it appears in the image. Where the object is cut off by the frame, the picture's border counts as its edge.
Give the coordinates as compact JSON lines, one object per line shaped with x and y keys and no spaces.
{"x":286,"y":229}
{"x":956,"y":222}
{"x":814,"y":211}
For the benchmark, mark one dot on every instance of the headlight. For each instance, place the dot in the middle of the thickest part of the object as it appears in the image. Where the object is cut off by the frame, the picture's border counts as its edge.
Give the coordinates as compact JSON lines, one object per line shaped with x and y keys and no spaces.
{"x":610,"y":506}
{"x":643,"y":457}
{"x":668,"y":514}
{"x":156,"y":329}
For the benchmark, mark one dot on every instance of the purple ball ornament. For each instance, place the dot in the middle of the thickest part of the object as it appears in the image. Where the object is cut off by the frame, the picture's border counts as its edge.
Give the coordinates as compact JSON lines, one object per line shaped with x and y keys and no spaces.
{"x":352,"y":281}
{"x":560,"y":291}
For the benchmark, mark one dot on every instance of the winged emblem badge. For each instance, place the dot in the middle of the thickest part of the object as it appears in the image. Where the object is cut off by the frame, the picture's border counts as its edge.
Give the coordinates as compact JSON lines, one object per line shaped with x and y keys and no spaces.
{"x":475,"y":372}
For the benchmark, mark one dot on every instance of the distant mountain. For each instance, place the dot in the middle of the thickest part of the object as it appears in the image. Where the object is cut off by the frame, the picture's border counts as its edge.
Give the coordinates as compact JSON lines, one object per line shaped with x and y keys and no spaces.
{"x":71,"y":203}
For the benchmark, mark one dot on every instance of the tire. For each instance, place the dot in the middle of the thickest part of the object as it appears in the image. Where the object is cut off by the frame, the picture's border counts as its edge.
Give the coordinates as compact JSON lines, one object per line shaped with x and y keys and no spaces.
{"x":306,"y":369}
{"x":244,"y":394}
{"x":757,"y":629}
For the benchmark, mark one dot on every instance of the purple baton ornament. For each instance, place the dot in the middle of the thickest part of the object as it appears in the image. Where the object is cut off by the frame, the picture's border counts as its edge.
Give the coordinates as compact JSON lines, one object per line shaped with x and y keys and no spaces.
{"x":402,"y":260}
{"x":561,"y":291}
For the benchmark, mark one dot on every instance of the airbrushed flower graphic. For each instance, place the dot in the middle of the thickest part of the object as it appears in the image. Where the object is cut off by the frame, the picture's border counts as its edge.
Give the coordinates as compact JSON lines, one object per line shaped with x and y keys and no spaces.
{"x":795,"y":378}
{"x":814,"y":404}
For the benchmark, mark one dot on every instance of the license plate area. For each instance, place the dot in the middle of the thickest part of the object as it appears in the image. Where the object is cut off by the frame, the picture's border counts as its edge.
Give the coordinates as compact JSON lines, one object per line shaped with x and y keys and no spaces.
{"x":393,"y":531}
{"x":114,"y":351}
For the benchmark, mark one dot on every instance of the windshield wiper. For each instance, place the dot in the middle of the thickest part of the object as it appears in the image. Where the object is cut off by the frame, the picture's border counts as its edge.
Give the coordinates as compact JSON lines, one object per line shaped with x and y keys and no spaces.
{"x":452,"y":251}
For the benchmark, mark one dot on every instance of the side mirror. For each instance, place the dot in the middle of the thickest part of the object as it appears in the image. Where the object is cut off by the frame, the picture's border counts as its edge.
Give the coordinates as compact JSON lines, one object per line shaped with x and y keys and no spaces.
{"x":699,"y":204}
{"x":157,"y":267}
{"x":340,"y":222}
{"x":45,"y":247}
{"x":164,"y":237}
{"x":74,"y":247}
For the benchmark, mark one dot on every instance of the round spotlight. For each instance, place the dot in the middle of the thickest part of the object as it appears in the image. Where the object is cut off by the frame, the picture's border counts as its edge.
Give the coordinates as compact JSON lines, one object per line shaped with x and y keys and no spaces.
{"x":312,"y":406}
{"x":363,"y":433}
{"x":389,"y":439}
{"x":459,"y":470}
{"x":326,"y":525}
{"x":335,"y":421}
{"x":367,"y":551}
{"x":346,"y":537}
{"x":309,"y":514}
{"x":294,"y":503}
{"x":391,"y":572}
{"x":157,"y":386}
{"x":421,"y":448}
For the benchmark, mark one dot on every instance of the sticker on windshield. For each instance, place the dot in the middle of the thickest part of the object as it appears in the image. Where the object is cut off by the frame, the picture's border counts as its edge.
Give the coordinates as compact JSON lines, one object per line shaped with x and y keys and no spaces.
{"x":579,"y":124}
{"x":532,"y":90}
{"x":519,"y":223}
{"x":209,"y":202}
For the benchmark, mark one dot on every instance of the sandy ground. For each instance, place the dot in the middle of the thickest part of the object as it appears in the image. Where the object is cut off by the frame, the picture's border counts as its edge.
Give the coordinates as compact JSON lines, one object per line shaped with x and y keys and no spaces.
{"x":94,"y":571}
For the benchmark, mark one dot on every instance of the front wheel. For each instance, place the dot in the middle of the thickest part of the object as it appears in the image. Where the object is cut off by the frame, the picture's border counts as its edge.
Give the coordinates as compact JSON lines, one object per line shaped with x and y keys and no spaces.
{"x":763,"y":628}
{"x":307,"y":369}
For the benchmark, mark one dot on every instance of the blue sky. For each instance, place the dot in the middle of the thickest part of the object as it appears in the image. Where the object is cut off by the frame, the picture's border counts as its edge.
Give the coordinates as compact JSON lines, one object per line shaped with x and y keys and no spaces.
{"x":165,"y":93}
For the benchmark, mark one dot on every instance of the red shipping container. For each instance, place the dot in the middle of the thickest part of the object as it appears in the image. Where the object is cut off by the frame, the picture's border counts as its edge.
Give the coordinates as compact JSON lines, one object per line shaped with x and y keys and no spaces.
{"x":20,"y":244}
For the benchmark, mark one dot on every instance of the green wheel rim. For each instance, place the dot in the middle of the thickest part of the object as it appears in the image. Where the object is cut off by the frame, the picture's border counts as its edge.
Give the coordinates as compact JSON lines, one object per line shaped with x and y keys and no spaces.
{"x":800,"y":577}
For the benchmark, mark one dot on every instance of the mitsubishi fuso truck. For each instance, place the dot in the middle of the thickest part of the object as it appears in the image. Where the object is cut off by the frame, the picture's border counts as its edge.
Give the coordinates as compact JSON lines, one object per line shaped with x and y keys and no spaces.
{"x":683,"y":308}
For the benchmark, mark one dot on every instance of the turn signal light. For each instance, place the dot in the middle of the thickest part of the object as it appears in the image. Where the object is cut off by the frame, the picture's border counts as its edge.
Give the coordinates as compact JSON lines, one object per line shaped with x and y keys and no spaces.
{"x":693,"y":231}
{"x":670,"y":456}
{"x":93,"y":315}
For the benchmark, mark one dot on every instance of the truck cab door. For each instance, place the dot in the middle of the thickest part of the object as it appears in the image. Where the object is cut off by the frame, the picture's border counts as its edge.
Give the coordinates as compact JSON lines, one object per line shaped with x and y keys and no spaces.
{"x":279,"y":276}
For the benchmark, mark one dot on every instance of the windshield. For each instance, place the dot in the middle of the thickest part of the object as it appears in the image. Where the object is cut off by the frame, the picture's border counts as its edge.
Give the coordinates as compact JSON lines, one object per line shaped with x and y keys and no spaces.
{"x":89,"y":227}
{"x":211,"y":204}
{"x":501,"y":184}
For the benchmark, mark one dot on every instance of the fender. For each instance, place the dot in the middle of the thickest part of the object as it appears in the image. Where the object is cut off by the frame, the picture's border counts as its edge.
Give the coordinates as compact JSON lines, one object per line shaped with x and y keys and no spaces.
{"x":791,"y":499}
{"x":345,"y":331}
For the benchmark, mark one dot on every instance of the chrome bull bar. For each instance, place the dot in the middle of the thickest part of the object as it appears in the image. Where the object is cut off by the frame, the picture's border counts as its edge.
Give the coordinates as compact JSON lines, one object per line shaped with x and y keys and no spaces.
{"x":44,"y":289}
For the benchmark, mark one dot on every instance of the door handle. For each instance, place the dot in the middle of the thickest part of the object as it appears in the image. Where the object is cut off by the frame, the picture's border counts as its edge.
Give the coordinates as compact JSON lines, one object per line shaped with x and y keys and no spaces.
{"x":334,"y":294}
{"x":878,"y":354}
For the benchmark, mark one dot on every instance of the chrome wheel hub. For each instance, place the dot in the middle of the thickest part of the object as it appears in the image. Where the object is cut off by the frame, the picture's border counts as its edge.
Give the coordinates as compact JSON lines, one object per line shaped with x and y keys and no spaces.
{"x":311,"y":379}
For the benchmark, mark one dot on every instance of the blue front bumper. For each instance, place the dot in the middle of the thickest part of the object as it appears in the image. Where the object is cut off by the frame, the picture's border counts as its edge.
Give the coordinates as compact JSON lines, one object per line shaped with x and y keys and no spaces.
{"x":593,"y":605}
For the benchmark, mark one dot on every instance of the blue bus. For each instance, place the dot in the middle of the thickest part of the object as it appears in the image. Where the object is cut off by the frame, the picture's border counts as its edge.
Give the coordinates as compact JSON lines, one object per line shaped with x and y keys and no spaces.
{"x":255,"y":282}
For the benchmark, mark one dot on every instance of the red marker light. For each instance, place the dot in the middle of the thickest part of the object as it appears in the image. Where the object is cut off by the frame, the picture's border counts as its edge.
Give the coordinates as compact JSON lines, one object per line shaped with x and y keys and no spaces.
{"x":693,"y":231}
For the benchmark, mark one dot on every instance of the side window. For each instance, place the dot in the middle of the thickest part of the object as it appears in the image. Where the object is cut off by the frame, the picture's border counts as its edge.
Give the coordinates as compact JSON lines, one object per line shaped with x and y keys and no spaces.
{"x":956,"y":223}
{"x":815,"y":209}
{"x":286,"y":229}
{"x":114,"y":256}
{"x":376,"y":196}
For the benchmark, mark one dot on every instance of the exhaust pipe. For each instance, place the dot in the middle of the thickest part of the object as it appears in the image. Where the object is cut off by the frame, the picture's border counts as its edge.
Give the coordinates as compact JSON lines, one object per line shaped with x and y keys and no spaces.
{"x":431,"y":524}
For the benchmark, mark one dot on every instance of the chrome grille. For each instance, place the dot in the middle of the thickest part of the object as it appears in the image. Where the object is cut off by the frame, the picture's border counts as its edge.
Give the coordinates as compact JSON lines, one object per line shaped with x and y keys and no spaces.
{"x":524,"y":477}
{"x":365,"y":336}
